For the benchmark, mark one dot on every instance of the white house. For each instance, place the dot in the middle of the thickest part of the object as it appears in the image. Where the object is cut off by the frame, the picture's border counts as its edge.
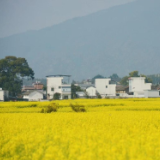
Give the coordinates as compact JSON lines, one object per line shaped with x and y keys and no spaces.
{"x":80,"y":94}
{"x":58,"y":84}
{"x":104,"y":88}
{"x":137,"y":86}
{"x":151,"y":93}
{"x":91,"y":91}
{"x":35,"y":95}
{"x":3,"y":95}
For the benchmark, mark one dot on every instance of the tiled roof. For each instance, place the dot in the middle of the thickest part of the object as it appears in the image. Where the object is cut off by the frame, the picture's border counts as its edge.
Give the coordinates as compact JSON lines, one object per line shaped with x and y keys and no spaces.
{"x":121,"y":87}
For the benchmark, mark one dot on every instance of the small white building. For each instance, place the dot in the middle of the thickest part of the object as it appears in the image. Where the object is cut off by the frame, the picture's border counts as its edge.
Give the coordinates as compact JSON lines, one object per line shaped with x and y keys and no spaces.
{"x":80,"y":94}
{"x":151,"y":93}
{"x":91,"y":91}
{"x":104,"y":88}
{"x":4,"y":95}
{"x":35,"y":95}
{"x":58,"y":84}
{"x":137,"y":86}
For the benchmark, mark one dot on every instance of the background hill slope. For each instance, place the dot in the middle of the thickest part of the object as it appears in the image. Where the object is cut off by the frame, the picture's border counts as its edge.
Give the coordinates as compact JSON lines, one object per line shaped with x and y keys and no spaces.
{"x":116,"y":40}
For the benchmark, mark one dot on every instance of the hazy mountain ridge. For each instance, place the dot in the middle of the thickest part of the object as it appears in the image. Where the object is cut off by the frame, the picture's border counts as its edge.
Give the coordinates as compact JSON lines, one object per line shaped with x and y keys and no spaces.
{"x":116,"y":40}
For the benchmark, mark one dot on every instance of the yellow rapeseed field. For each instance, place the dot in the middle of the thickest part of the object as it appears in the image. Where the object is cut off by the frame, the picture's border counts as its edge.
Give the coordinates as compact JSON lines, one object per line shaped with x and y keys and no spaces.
{"x":111,"y":129}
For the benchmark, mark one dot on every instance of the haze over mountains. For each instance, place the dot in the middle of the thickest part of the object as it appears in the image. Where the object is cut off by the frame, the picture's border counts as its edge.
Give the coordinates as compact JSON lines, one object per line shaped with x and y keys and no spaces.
{"x":116,"y":40}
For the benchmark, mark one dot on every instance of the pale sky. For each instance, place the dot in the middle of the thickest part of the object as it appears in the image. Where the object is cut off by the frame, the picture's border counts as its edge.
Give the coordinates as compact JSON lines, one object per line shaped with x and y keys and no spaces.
{"x":18,"y":16}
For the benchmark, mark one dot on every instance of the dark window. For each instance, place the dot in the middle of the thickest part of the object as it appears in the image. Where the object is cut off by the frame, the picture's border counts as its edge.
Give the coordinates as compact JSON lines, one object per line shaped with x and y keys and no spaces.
{"x":52,"y":89}
{"x":159,"y":92}
{"x":131,"y":93}
{"x":66,"y":87}
{"x":65,"y":97}
{"x":59,"y":87}
{"x":106,"y":86}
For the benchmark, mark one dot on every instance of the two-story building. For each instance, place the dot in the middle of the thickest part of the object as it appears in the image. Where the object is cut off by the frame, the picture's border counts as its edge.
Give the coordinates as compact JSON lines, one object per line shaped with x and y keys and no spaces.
{"x":137,"y":86}
{"x":105,"y":88}
{"x":58,"y":84}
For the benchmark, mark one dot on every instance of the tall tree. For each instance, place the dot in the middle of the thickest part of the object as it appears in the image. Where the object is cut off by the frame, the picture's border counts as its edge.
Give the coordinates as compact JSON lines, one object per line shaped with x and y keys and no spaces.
{"x":12,"y":70}
{"x":74,"y":89}
{"x":134,"y":74}
{"x":115,"y":77}
{"x":124,"y":81}
{"x":56,"y":96}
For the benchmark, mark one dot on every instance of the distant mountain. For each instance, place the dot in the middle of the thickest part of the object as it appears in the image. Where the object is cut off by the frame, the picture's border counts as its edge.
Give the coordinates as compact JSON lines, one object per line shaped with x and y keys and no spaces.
{"x":116,"y":40}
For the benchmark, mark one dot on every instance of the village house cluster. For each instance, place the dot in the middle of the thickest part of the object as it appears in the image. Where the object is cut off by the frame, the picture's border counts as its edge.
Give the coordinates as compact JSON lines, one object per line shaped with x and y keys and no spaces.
{"x":103,"y":88}
{"x":137,"y":89}
{"x":34,"y":92}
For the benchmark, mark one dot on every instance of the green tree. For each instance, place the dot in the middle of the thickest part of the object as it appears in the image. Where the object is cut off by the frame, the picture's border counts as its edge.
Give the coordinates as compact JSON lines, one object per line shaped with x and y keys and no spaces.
{"x":86,"y":95}
{"x":134,"y":74}
{"x":124,"y":81}
{"x":74,"y":89}
{"x":44,"y":87}
{"x":12,"y":71}
{"x":98,"y":95}
{"x":115,"y":77}
{"x":56,"y":96}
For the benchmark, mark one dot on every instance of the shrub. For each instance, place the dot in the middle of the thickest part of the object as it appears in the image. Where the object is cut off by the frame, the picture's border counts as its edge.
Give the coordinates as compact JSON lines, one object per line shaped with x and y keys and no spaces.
{"x":42,"y":110}
{"x":52,"y":107}
{"x":56,"y":96}
{"x":78,"y":108}
{"x":99,"y":96}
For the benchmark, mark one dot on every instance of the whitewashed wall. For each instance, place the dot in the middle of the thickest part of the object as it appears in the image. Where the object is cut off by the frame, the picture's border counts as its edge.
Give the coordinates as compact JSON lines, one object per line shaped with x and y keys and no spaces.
{"x":35,"y":96}
{"x":137,"y":84}
{"x":26,"y":97}
{"x":1,"y":95}
{"x":59,"y":87}
{"x":104,"y":88}
{"x":152,"y":94}
{"x":91,"y":91}
{"x":54,"y":82}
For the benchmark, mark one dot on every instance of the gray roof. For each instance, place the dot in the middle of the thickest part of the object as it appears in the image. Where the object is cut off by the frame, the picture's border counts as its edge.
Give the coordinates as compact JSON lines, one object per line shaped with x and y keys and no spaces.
{"x":121,"y":87}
